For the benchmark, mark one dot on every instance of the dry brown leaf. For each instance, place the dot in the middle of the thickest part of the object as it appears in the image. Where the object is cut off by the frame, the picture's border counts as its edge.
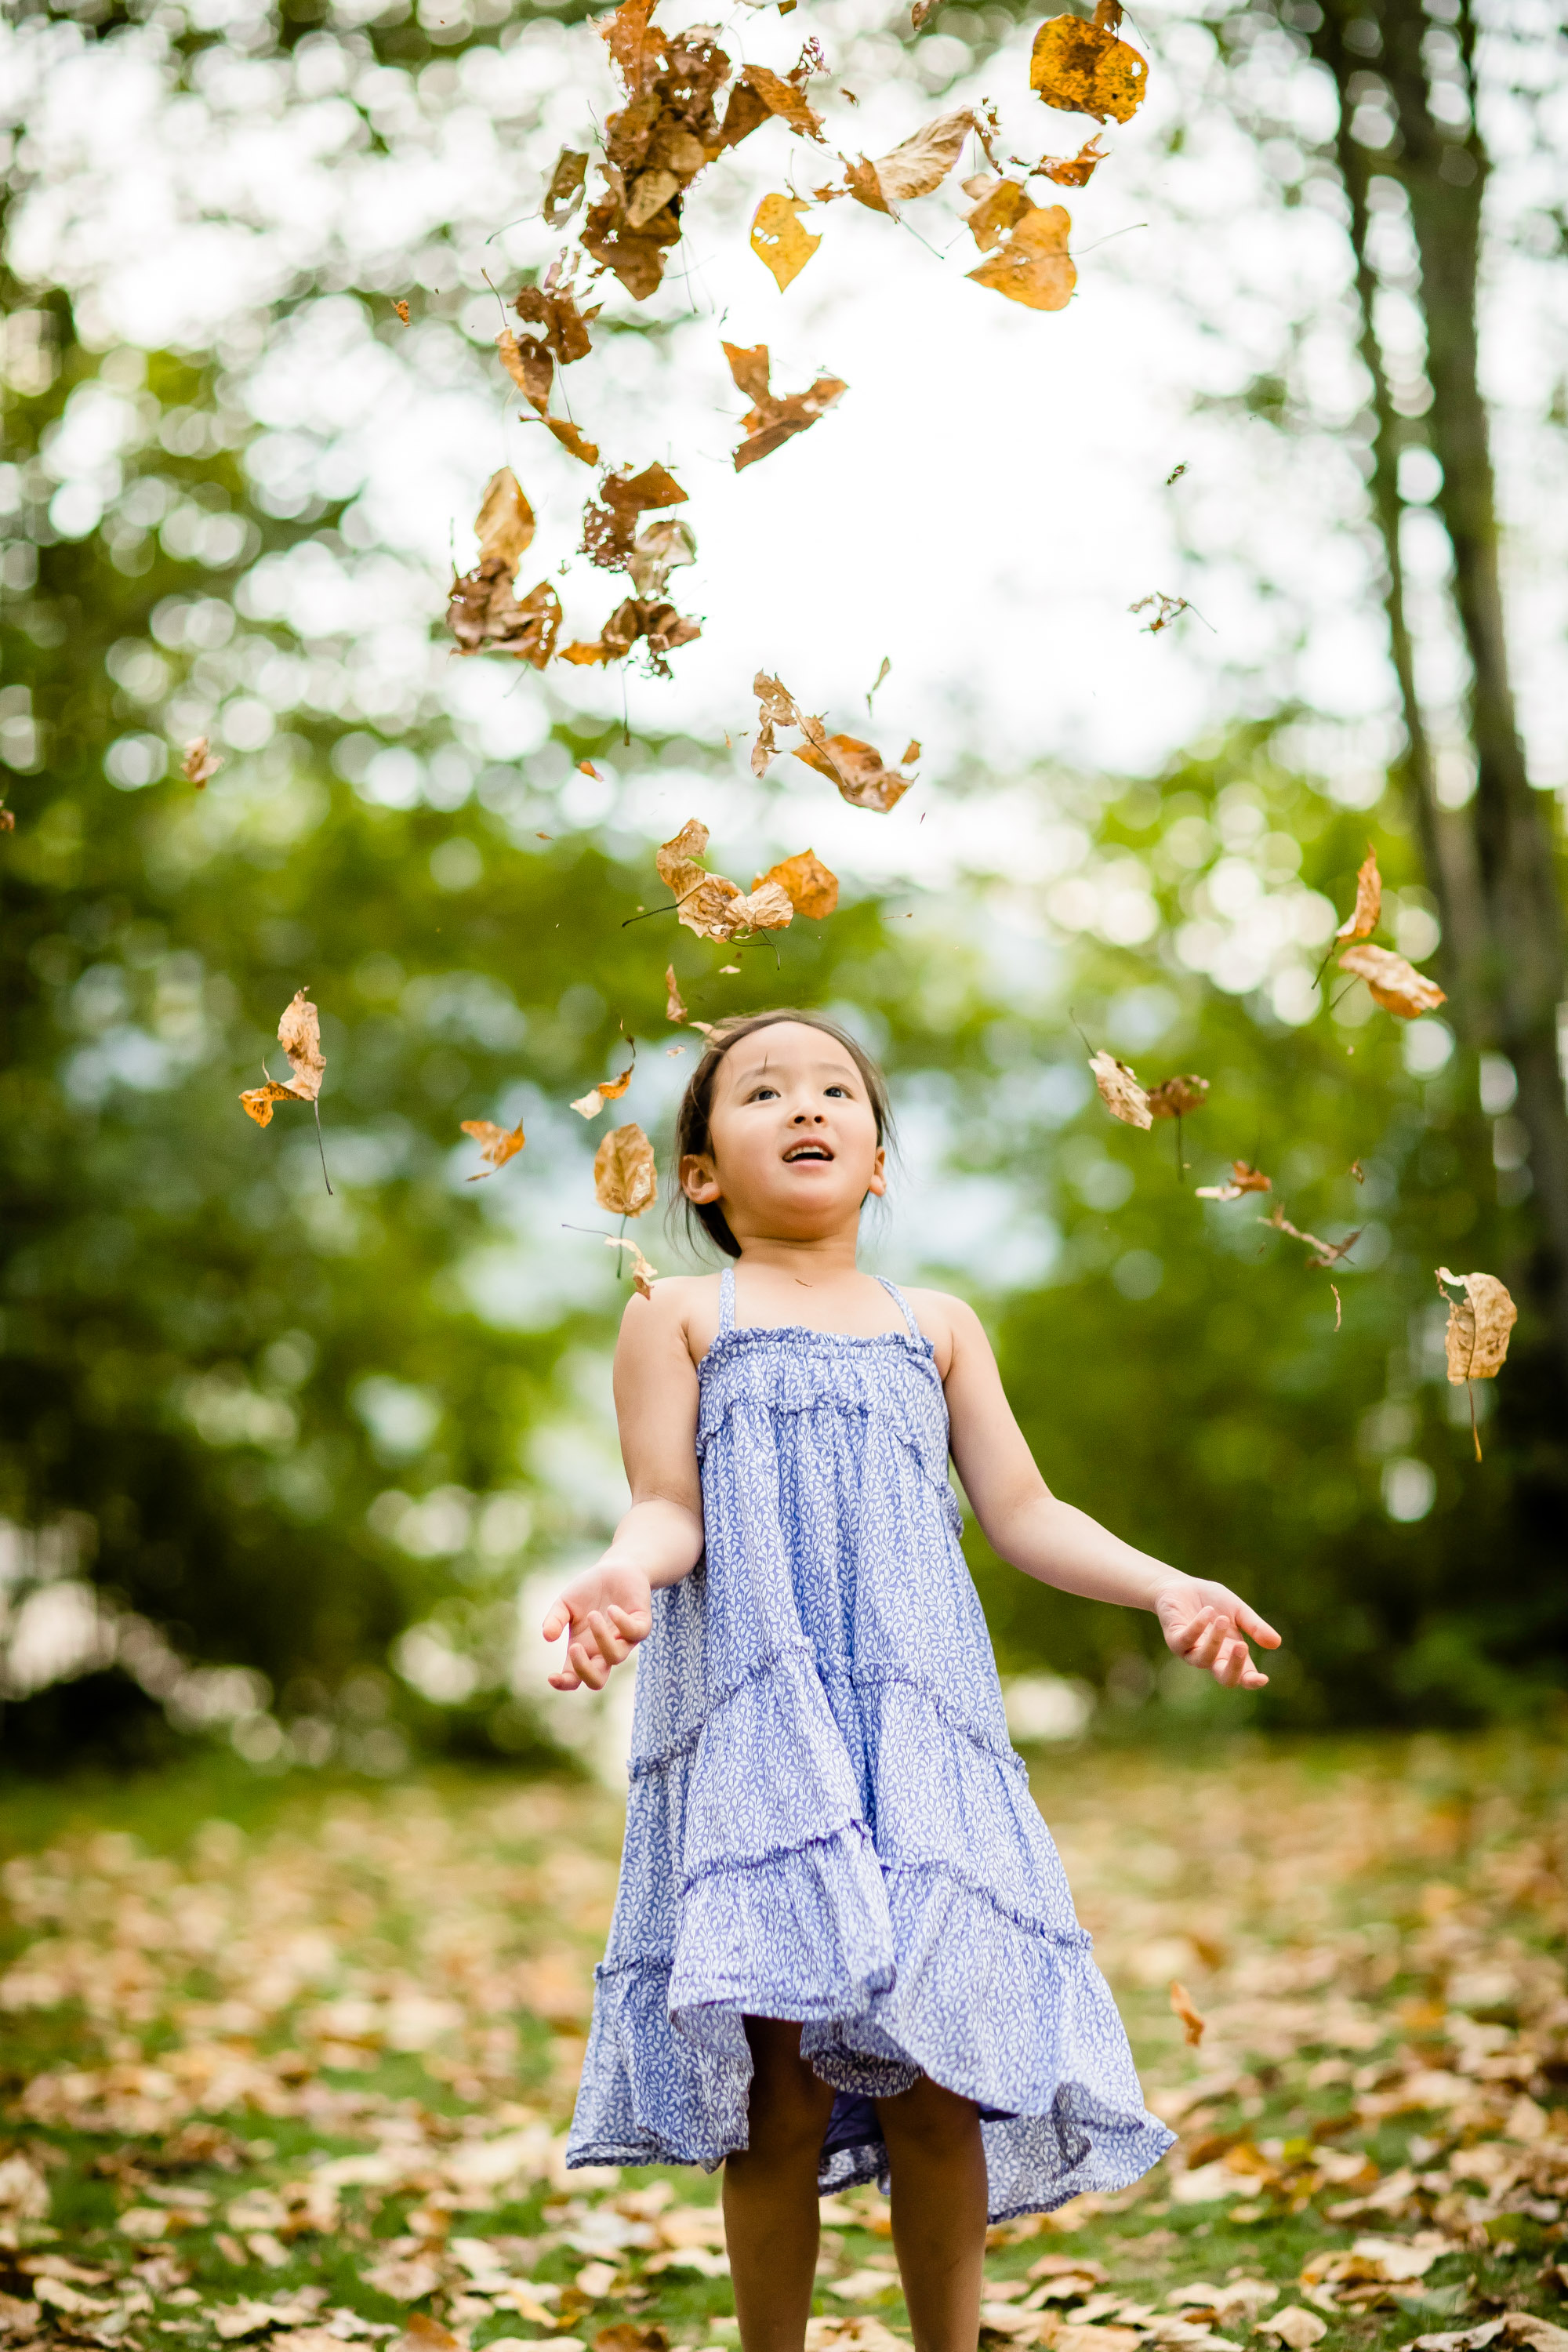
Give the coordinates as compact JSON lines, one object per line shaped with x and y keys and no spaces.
{"x":911,"y":752}
{"x":1324,"y":1254}
{"x":1178,"y":1098}
{"x":553,"y":306}
{"x":1478,"y":1326}
{"x":1119,"y":1091}
{"x":643,"y":1277}
{"x":504,"y":524}
{"x":657,"y":624}
{"x":772,"y":421}
{"x":999,"y":205}
{"x":529,"y":364}
{"x":1295,"y":2326}
{"x":1030,"y":263}
{"x":497,"y":1144}
{"x":575,"y":442}
{"x":402,"y":310}
{"x":656,"y":144}
{"x":776,"y":95}
{"x":918,"y":14}
{"x":7,"y":820}
{"x":856,"y":768}
{"x":1182,"y":2007}
{"x":1243,"y":1178}
{"x":1085,"y":69}
{"x":299,"y":1035}
{"x":1074,"y":171}
{"x":200,"y":763}
{"x":590,"y":1104}
{"x":1362,"y":921}
{"x":564,"y":194}
{"x":423,"y":2333}
{"x":778,"y":239}
{"x":626,"y":2336}
{"x":610,"y":528}
{"x":485,"y":617}
{"x":920,"y":164}
{"x":674,"y":1003}
{"x":1396,"y":986}
{"x":624,"y":1179}
{"x":657,"y":551}
{"x":711,"y":904}
{"x":1166,"y":610}
{"x":811,"y":888}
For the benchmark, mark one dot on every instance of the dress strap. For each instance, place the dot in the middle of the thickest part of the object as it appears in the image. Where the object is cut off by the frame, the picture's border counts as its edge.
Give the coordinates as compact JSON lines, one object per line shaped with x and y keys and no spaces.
{"x":727,"y":1301}
{"x":895,"y":1294}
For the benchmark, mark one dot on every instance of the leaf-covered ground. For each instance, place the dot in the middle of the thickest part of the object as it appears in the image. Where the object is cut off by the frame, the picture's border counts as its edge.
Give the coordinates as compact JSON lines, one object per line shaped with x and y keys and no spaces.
{"x":290,"y":2066}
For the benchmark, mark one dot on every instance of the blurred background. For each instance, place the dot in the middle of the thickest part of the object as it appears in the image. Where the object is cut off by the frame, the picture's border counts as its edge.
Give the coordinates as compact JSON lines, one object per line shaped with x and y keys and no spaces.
{"x":293,"y":1473}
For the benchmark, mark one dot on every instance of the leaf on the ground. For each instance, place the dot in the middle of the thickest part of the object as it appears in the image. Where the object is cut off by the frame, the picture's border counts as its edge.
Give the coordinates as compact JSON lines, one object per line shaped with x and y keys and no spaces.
{"x":811,"y":888}
{"x":564,"y":194}
{"x":407,"y":2278}
{"x":1362,"y":921}
{"x":1119,"y":1091}
{"x":1324,"y":1254}
{"x":1182,"y":2007}
{"x":857,"y":770}
{"x":1478,"y":1325}
{"x":1074,"y":171}
{"x":1295,"y":2325}
{"x":200,"y":764}
{"x":656,"y":625}
{"x":590,"y":1104}
{"x":917,"y":166}
{"x":1395,"y":984}
{"x":1028,"y":260}
{"x":299,"y":1035}
{"x":674,"y":1002}
{"x":779,"y":241}
{"x":1178,"y":1098}
{"x":1085,"y":69}
{"x":624,"y":1179}
{"x":423,"y":2333}
{"x":486,"y":617}
{"x":1242,"y":1178}
{"x":504,"y":524}
{"x":497,"y":1144}
{"x":773,"y":420}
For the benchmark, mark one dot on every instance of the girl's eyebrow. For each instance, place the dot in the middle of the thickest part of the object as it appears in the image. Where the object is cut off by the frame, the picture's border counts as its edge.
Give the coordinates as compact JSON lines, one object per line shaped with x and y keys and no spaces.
{"x":839,"y":1073}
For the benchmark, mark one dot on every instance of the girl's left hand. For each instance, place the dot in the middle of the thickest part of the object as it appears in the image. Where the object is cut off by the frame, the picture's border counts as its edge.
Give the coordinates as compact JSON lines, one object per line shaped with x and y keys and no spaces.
{"x":1208,"y":1626}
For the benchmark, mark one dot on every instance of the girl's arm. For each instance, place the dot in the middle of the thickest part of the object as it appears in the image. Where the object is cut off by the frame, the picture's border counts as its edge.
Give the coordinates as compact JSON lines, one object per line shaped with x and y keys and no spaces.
{"x":1204,"y":1623}
{"x":607,"y":1609}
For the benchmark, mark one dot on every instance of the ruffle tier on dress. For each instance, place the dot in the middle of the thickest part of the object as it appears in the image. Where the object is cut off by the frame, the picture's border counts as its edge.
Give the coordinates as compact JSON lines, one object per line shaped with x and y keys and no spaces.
{"x":826,"y":1822}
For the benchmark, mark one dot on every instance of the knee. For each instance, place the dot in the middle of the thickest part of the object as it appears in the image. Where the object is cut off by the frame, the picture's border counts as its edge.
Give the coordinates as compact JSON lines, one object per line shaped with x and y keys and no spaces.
{"x":927,"y":2121}
{"x":788,"y":2109}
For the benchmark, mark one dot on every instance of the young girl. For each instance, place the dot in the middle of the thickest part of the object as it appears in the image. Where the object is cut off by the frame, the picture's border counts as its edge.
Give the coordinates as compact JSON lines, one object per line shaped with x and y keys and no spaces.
{"x":842,"y":1947}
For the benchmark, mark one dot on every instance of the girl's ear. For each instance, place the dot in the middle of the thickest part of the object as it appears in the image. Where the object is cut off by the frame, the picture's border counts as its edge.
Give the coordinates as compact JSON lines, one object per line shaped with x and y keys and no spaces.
{"x":879,"y":1183}
{"x":698,"y":1178}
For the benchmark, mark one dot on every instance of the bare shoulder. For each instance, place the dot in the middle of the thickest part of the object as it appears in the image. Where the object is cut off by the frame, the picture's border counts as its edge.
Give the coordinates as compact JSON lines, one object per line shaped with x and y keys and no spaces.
{"x":681,"y":1314}
{"x":949,"y":1324}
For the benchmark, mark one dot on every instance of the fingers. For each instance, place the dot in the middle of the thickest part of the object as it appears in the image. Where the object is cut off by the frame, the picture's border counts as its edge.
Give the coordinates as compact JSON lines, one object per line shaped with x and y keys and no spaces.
{"x":557,"y":1619}
{"x":1256,"y":1628}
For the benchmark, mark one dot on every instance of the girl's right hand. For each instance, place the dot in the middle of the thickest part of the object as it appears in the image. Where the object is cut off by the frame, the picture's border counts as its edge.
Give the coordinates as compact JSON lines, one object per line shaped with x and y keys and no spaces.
{"x":604,"y":1613}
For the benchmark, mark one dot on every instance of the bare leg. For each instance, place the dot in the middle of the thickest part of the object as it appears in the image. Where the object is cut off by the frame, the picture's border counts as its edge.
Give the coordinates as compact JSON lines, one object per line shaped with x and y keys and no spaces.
{"x":770,"y":2192}
{"x":937,"y":2161}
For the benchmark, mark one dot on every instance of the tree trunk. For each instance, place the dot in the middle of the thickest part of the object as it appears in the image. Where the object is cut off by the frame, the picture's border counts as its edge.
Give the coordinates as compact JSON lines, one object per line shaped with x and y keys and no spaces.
{"x":1507,"y":966}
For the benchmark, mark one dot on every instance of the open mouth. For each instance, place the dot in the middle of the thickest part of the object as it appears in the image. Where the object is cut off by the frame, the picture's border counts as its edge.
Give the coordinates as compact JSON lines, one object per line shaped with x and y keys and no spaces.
{"x":808,"y":1152}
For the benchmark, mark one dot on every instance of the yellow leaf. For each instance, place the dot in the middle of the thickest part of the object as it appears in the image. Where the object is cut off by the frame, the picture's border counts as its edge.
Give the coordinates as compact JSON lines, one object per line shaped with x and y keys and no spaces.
{"x":811,"y":888}
{"x":1085,"y":69}
{"x":1396,"y":986}
{"x":1362,"y":921}
{"x":625,"y":1179}
{"x":1119,"y":1091}
{"x":497,"y":1144}
{"x":779,"y":240}
{"x":1032,"y":264}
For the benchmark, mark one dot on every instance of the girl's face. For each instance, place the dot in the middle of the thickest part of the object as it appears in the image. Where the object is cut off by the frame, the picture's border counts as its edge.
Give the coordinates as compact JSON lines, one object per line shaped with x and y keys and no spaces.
{"x":792,"y":1148}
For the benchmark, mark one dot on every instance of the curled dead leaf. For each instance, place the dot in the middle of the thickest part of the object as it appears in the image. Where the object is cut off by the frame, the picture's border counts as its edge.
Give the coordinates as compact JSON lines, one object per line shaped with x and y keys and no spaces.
{"x":1178,"y":1098}
{"x":811,"y":888}
{"x":911,"y":752}
{"x":656,"y":625}
{"x":917,"y":166}
{"x":774,"y":420}
{"x":402,"y":310}
{"x":779,"y":241}
{"x":1073,"y":171}
{"x":610,"y":527}
{"x":1396,"y":986}
{"x":710,"y":904}
{"x":674,"y":1003}
{"x":1085,"y":69}
{"x":1030,"y":263}
{"x":1182,"y":2007}
{"x":643,"y":1277}
{"x":555,"y":309}
{"x":200,"y":763}
{"x":497,"y":1144}
{"x":485,"y":617}
{"x":1324,"y":1254}
{"x":1478,"y":1326}
{"x":564,"y":193}
{"x":590,"y":1104}
{"x":625,"y":1179}
{"x":529,"y":364}
{"x":1243,"y":1178}
{"x":1119,"y":1091}
{"x":504,"y":525}
{"x":659,"y":549}
{"x":299,"y":1035}
{"x":779,"y":94}
{"x":1166,"y":610}
{"x":575,"y":442}
{"x":1362,"y":921}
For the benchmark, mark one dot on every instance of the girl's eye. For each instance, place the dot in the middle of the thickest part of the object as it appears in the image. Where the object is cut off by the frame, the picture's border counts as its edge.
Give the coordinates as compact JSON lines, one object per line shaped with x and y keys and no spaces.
{"x":836,"y":1090}
{"x":766,"y":1094}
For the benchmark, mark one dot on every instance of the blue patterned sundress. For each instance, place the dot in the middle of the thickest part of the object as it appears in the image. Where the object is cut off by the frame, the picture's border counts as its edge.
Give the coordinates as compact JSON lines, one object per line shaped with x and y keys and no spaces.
{"x":826,"y":1821}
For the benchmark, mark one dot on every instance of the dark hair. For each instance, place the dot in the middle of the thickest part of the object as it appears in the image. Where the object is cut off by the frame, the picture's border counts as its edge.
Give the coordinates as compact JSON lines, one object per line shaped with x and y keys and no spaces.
{"x":692,"y":1132}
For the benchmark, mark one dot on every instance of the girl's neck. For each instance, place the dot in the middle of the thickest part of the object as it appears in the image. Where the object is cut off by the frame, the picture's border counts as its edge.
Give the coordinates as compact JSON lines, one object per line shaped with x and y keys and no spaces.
{"x":816,"y":1263}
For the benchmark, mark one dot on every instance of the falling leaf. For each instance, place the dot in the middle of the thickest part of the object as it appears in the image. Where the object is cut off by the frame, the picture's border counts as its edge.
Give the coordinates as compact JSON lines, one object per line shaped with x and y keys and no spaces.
{"x":590,"y":1104}
{"x":1478,"y":1326}
{"x":711,"y":904}
{"x":658,"y":550}
{"x":1243,"y":1178}
{"x":609,"y":529}
{"x":775,"y":94}
{"x":918,"y":14}
{"x":485,"y":617}
{"x":674,"y":1005}
{"x":7,"y":820}
{"x":858,"y":771}
{"x":200,"y":763}
{"x":1324,"y":1254}
{"x":643,"y":1277}
{"x":811,"y":888}
{"x":1362,"y":921}
{"x":1168,"y":609}
{"x":656,"y":145}
{"x":1339,"y":1306}
{"x":999,"y":205}
{"x":876,"y":682}
{"x":586,"y":768}
{"x":504,"y":525}
{"x":402,"y":310}
{"x":1175,"y":474}
{"x":1074,"y":171}
{"x":529,"y":364}
{"x":911,"y":750}
{"x":497,"y":1144}
{"x":771,"y":420}
{"x":553,"y":306}
{"x":624,"y":1180}
{"x":657,"y":624}
{"x":1030,"y":263}
{"x":1085,"y":69}
{"x":1119,"y":1091}
{"x":1182,"y":2007}
{"x":564,"y":194}
{"x":1178,"y":1098}
{"x":919,"y":165}
{"x":1396,"y":986}
{"x":299,"y":1035}
{"x":779,"y":240}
